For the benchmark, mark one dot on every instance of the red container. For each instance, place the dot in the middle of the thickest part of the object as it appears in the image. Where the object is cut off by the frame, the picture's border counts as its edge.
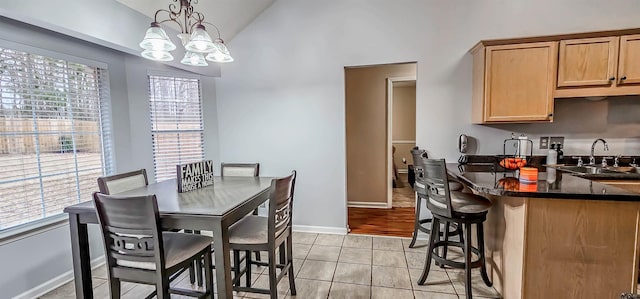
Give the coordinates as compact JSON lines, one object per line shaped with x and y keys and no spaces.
{"x":529,"y":175}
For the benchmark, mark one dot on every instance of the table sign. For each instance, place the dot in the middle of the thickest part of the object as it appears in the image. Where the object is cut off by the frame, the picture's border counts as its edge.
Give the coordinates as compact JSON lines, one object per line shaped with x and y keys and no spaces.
{"x":196,"y":175}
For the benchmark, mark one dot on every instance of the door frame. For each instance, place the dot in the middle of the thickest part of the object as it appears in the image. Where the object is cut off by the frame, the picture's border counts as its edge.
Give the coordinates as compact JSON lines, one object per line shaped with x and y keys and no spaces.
{"x":390,"y":81}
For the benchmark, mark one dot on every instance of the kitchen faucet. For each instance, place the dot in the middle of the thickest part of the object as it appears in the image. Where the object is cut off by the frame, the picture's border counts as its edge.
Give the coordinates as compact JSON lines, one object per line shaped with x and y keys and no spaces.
{"x":592,"y":159}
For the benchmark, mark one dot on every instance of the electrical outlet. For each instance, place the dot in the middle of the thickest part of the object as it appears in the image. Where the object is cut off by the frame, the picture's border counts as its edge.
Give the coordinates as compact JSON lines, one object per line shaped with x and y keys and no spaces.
{"x":557,"y":140}
{"x":544,"y":142}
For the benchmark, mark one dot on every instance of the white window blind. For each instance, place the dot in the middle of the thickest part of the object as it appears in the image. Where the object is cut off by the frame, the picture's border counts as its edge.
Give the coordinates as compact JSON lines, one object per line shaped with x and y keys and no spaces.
{"x":176,"y":123}
{"x":55,"y":135}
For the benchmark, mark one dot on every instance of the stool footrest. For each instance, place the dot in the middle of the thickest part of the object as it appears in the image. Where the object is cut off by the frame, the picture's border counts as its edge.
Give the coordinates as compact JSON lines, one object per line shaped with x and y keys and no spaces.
{"x":453,"y":264}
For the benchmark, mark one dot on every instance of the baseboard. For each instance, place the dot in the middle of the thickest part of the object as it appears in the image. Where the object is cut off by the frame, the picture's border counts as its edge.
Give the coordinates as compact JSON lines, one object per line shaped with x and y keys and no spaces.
{"x":320,"y":229}
{"x":364,"y":204}
{"x":56,"y":282}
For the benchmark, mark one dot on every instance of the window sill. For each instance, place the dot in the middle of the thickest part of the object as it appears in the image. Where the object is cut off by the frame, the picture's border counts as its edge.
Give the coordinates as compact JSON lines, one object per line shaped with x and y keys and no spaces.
{"x":26,"y":230}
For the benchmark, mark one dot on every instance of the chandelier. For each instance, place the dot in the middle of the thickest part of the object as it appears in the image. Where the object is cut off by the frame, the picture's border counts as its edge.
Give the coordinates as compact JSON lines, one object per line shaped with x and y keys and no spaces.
{"x":198,"y":45}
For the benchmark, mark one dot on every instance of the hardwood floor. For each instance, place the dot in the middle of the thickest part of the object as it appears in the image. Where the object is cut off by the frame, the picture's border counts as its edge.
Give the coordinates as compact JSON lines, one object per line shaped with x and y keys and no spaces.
{"x":396,"y":222}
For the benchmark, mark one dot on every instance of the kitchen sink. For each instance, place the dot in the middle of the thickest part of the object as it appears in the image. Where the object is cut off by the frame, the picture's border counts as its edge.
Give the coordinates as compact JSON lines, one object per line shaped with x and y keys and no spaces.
{"x":625,"y":169}
{"x":586,"y":169}
{"x":593,"y":171}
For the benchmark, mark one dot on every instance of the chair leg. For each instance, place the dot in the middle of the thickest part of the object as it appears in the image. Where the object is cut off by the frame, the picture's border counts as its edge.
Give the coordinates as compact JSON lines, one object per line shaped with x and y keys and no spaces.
{"x":192,"y":269}
{"x":273,"y":283}
{"x":282,"y":252}
{"x":483,"y":269}
{"x":247,"y":256}
{"x":208,"y":274}
{"x":446,"y":239}
{"x":257,"y":253}
{"x":416,"y":223}
{"x":460,"y":233}
{"x":114,"y":288}
{"x":236,"y":267}
{"x":199,"y":271}
{"x":292,"y":280}
{"x":467,"y":260}
{"x":162,"y":288}
{"x":432,"y":241}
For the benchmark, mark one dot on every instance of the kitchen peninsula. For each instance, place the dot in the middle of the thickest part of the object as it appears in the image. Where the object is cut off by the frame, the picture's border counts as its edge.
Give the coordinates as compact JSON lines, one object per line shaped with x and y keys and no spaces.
{"x":564,"y":237}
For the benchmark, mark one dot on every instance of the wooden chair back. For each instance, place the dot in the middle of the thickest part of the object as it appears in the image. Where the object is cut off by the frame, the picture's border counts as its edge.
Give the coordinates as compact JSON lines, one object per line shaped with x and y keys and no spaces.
{"x":123,"y":182}
{"x":130,"y":231}
{"x":281,"y":205}
{"x":240,"y":169}
{"x":436,"y":183}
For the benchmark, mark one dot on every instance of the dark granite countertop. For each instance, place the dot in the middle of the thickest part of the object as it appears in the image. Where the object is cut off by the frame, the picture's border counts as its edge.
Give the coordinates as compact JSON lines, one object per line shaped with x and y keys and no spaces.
{"x":482,"y":179}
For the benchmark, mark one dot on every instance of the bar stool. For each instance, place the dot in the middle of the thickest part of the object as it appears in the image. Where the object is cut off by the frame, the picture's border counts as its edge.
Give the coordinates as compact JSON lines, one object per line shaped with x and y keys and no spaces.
{"x":420,"y":224}
{"x":453,"y":207}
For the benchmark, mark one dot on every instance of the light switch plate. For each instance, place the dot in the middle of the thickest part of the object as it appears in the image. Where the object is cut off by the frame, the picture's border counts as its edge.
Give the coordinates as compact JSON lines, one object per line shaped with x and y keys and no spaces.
{"x":544,"y":142}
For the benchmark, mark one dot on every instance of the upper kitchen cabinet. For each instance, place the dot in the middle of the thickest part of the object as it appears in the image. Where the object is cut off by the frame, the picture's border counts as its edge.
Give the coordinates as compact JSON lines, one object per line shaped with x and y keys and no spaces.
{"x":588,"y":62}
{"x":603,"y":66}
{"x":514,"y":83}
{"x":629,"y":66}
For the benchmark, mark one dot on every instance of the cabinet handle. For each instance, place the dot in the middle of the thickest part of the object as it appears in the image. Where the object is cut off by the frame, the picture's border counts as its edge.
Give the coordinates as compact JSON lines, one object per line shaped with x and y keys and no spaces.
{"x":623,"y":78}
{"x":550,"y":114}
{"x":613,"y":78}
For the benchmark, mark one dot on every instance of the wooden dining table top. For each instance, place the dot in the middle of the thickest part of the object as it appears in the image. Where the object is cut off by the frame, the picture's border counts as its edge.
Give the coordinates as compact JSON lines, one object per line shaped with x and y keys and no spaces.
{"x":225,"y":194}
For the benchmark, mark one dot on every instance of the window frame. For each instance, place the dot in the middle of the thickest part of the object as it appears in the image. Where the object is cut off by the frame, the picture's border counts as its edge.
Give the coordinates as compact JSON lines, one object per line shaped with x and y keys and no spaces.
{"x":38,"y":226}
{"x":160,"y":73}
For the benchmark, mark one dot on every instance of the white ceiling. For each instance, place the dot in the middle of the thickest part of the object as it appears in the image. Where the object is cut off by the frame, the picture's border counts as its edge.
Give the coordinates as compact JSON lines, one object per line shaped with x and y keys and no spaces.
{"x":230,"y":16}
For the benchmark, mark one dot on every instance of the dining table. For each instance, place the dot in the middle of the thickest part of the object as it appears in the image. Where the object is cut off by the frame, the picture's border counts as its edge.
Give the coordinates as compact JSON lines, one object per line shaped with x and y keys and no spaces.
{"x":213,"y":208}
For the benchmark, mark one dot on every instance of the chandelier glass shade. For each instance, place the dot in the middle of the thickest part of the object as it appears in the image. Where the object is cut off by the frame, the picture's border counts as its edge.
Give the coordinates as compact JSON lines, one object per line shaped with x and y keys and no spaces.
{"x":194,"y":58}
{"x":221,"y":54}
{"x":157,"y":55}
{"x":197,"y":42}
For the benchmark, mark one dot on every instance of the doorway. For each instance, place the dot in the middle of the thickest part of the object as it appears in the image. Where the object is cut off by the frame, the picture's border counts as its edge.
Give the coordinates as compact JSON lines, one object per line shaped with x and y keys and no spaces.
{"x":401,"y":121}
{"x":370,"y":140}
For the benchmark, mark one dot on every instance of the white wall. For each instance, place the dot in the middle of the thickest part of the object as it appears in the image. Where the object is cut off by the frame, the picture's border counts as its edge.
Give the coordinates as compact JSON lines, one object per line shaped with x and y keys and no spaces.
{"x":282,"y":102}
{"x":34,"y":260}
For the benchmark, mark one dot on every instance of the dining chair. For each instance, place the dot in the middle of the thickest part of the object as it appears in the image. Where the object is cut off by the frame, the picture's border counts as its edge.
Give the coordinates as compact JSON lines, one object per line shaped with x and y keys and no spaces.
{"x":254,"y":233}
{"x":138,"y":251}
{"x":240,"y":169}
{"x":123,"y":182}
{"x":243,"y":170}
{"x":421,"y":223}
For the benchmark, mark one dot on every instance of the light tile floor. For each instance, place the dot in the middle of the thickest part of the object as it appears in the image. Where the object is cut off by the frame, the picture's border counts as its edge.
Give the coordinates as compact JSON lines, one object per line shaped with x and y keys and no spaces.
{"x":335,"y":266}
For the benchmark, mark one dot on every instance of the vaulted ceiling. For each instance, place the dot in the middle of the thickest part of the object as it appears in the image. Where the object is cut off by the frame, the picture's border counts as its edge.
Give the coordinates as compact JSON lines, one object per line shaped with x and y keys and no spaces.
{"x":230,"y":16}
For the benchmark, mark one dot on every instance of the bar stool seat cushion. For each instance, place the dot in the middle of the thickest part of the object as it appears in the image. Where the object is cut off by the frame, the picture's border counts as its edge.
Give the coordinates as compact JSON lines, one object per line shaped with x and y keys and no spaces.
{"x":465,"y":203}
{"x":469,"y":203}
{"x":177,"y":248}
{"x":250,"y":230}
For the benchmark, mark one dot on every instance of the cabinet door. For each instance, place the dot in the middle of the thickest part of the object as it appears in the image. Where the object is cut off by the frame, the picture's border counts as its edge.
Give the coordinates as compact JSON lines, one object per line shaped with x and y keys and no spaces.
{"x":588,"y":62}
{"x":629,"y":66}
{"x":519,"y":82}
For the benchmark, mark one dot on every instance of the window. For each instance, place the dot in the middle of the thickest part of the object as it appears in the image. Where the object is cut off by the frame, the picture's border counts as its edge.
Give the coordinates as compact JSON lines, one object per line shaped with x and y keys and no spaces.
{"x":54,"y":134}
{"x":176,"y":123}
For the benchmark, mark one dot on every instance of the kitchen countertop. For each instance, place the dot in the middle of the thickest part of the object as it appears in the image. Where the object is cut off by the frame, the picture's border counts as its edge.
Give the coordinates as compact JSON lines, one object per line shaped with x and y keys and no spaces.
{"x":481,"y":178}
